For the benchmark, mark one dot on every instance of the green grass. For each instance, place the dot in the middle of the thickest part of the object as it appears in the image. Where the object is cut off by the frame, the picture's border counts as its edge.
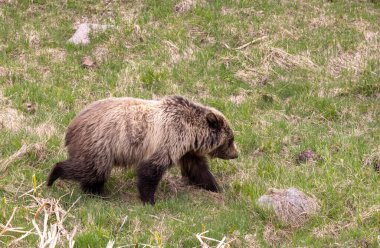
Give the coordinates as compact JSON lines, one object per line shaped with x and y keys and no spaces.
{"x":312,"y":83}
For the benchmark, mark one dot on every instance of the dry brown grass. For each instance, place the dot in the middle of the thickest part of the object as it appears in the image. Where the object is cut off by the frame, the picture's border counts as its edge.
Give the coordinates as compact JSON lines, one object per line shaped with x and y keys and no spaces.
{"x":24,"y":150}
{"x":11,"y":119}
{"x":373,"y":160}
{"x":239,"y":98}
{"x":14,"y":121}
{"x":279,"y":57}
{"x":273,"y":57}
{"x":334,"y":229}
{"x":3,"y":71}
{"x":247,"y":11}
{"x":177,"y":55}
{"x":45,"y":130}
{"x":275,"y":237}
{"x":56,"y":55}
{"x":198,"y":33}
{"x":101,"y":53}
{"x":322,"y":21}
{"x":356,"y":60}
{"x":50,"y":229}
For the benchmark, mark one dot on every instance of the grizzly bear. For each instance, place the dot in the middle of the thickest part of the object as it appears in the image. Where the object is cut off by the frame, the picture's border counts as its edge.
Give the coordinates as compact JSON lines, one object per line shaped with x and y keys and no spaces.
{"x":148,"y":135}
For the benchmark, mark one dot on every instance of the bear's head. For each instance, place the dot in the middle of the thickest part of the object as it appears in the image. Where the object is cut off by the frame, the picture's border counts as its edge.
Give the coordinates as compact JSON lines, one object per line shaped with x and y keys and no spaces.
{"x":222,"y":144}
{"x":198,"y":128}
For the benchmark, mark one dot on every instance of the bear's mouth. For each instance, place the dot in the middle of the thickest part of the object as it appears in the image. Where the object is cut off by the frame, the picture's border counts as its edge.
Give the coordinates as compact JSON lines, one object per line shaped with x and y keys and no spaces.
{"x":221,"y":155}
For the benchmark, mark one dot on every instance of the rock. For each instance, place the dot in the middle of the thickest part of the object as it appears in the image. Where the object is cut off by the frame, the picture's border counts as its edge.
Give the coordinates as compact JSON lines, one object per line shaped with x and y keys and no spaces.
{"x":30,"y":107}
{"x":81,"y":35}
{"x":291,"y":206}
{"x":88,"y":62}
{"x":307,"y":155}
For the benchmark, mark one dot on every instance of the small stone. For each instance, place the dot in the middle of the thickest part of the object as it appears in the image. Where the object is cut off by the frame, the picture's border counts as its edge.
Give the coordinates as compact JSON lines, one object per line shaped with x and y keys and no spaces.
{"x":88,"y":63}
{"x":81,"y":35}
{"x":307,"y":155}
{"x":30,"y":107}
{"x":184,"y":6}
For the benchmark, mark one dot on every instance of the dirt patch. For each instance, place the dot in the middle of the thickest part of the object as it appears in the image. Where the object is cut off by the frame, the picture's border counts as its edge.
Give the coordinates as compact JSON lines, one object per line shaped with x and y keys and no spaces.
{"x":101,"y":53}
{"x":355,"y":61}
{"x":321,"y":21}
{"x":239,"y":98}
{"x":177,"y":55}
{"x":11,"y":119}
{"x":275,"y":237}
{"x":199,"y":34}
{"x":3,"y":71}
{"x":251,"y":240}
{"x":253,"y":76}
{"x":130,"y":13}
{"x":45,"y":130}
{"x":33,"y":36}
{"x":56,"y":55}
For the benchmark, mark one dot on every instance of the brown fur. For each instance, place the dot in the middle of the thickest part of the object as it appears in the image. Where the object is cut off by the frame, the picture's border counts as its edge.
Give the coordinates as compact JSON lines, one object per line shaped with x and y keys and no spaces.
{"x":149,"y":135}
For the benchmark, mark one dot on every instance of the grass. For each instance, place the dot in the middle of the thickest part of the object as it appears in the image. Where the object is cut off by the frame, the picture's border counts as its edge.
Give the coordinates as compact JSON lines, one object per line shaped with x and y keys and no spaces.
{"x":312,"y":81}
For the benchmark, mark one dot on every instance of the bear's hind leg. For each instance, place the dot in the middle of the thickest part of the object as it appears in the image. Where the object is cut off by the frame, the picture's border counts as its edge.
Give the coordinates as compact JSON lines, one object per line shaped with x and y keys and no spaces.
{"x":95,"y":188}
{"x":196,"y":169}
{"x":94,"y":174}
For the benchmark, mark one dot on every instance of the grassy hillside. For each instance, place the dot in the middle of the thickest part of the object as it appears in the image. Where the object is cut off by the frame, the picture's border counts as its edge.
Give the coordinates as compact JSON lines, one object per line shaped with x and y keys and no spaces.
{"x":289,"y":75}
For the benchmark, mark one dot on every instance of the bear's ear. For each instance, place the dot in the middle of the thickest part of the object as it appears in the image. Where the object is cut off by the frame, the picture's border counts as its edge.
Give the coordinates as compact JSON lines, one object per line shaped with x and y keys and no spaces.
{"x":213,"y":121}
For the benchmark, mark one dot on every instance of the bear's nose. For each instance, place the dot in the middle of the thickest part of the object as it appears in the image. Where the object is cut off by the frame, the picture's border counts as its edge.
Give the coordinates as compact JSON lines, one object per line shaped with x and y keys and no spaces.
{"x":235,"y":156}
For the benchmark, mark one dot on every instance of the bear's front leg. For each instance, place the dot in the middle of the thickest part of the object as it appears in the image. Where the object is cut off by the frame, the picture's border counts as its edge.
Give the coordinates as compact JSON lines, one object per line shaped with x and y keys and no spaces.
{"x":196,"y":169}
{"x":149,"y":174}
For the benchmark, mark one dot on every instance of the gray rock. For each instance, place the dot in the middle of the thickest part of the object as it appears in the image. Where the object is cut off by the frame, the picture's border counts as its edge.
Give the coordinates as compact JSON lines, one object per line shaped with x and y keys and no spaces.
{"x":81,"y":35}
{"x":290,"y":205}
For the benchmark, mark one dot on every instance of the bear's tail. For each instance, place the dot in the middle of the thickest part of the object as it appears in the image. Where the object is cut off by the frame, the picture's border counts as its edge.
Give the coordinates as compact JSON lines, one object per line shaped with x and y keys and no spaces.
{"x":57,"y":172}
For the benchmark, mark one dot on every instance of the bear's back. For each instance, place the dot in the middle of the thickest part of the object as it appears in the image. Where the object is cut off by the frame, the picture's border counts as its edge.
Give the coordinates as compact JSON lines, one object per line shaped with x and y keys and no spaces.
{"x":115,"y":127}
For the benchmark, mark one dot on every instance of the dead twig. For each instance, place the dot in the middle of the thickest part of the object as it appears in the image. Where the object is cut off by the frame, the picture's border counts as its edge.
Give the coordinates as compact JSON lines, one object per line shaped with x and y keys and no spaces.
{"x":5,"y":228}
{"x":251,"y":42}
{"x":246,"y":44}
{"x":201,"y":238}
